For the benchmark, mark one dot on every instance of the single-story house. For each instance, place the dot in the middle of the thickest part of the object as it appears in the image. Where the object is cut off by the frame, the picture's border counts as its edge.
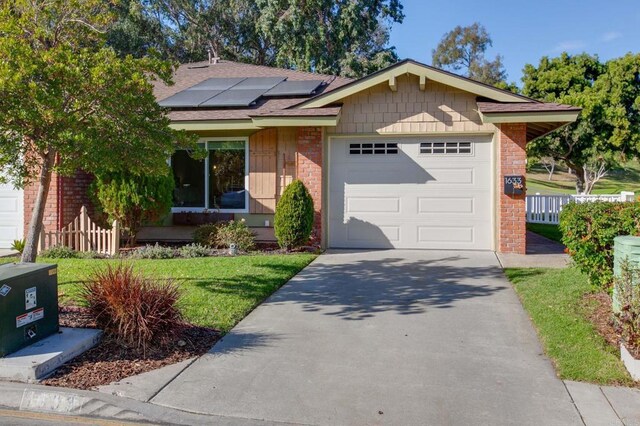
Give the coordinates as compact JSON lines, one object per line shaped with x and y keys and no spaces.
{"x":408,"y":157}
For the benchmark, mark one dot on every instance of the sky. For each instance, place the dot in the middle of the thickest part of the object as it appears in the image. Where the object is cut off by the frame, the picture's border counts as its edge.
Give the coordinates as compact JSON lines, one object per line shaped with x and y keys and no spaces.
{"x":523,"y":31}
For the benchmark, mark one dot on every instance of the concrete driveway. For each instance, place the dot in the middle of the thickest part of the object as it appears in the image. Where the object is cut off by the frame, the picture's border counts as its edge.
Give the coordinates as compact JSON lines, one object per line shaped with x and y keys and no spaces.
{"x":382,"y":337}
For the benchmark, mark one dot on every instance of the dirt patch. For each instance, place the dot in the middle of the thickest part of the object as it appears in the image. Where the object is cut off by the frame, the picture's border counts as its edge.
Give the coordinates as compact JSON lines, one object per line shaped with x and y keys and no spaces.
{"x":598,"y":310}
{"x":110,"y":361}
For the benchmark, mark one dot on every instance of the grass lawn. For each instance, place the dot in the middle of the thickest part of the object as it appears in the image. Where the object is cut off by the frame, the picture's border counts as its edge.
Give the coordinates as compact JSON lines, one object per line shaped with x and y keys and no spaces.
{"x":217,"y":291}
{"x":626,"y":178}
{"x":554,"y":300}
{"x":552,"y":232}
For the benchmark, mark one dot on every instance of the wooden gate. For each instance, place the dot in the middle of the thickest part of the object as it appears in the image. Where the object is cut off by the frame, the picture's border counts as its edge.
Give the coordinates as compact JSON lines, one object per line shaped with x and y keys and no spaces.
{"x":82,"y":234}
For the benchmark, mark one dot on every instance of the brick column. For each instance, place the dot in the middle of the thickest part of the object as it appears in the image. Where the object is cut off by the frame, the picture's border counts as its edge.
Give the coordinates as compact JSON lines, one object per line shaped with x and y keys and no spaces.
{"x":309,"y":171}
{"x":512,"y":208}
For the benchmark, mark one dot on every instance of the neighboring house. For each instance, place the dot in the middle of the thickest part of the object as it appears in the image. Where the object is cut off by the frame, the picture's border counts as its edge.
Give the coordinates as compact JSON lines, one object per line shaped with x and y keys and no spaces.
{"x":408,"y":157}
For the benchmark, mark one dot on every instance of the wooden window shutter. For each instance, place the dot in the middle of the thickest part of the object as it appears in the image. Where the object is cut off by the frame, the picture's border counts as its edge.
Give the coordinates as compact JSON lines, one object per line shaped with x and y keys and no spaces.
{"x":262,"y":171}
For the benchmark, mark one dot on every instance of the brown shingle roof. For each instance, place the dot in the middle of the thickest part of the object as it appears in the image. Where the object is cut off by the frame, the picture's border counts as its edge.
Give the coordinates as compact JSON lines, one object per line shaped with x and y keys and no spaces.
{"x":498,"y":107}
{"x":188,"y":75}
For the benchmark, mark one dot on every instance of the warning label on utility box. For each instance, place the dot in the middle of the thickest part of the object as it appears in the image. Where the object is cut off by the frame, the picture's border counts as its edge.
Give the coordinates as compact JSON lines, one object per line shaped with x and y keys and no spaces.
{"x":29,"y":317}
{"x":30,"y":298}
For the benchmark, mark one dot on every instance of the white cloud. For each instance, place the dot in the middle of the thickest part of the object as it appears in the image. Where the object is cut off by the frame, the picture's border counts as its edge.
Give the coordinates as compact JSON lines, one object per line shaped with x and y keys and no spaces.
{"x":569,"y":46}
{"x":610,"y":36}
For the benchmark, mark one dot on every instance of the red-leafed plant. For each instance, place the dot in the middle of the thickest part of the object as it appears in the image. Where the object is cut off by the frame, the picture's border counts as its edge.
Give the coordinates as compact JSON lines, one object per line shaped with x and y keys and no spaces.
{"x":135,"y":310}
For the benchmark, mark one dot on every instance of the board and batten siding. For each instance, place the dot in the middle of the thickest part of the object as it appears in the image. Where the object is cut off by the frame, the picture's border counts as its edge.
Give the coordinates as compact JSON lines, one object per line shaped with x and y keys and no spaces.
{"x":438,"y":108}
{"x":272,"y":154}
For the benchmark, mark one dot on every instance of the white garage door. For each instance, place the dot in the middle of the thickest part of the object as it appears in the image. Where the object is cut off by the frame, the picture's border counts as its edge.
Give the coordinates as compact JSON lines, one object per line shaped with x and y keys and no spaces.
{"x":432,"y":193}
{"x":11,"y":220}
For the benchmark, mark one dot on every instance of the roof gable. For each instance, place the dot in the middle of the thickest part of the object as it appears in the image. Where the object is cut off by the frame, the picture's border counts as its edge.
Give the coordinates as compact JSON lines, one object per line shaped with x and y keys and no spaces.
{"x":424,"y":72}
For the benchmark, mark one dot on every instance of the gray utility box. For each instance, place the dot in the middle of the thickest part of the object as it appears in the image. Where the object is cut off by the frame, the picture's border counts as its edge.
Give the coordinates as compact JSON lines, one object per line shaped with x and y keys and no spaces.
{"x":28,"y":304}
{"x":624,"y":248}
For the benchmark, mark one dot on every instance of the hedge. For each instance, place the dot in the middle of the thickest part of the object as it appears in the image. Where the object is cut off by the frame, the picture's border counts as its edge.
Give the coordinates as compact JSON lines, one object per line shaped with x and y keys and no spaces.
{"x":588,"y":230}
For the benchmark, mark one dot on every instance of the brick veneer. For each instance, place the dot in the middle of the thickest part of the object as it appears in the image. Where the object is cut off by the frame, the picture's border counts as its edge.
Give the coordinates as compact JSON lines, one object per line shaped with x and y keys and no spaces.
{"x":309,"y":171}
{"x":66,"y":196}
{"x":511,"y":212}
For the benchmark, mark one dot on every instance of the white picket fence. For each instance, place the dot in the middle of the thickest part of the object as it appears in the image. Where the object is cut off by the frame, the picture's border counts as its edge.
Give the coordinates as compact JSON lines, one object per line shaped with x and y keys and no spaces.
{"x":547,"y":208}
{"x":82,"y":234}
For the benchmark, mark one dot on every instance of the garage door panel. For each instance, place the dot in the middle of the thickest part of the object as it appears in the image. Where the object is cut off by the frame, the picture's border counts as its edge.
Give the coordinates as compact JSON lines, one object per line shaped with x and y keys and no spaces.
{"x":363,"y":231}
{"x":11,"y":211}
{"x":373,"y":205}
{"x":462,"y":205}
{"x":444,"y":234}
{"x":410,"y":200}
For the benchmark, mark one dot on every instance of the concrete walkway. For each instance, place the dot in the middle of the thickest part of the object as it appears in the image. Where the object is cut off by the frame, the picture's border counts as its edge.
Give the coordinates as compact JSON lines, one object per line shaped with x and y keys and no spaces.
{"x":7,"y":252}
{"x":541,"y":253}
{"x":381,"y":337}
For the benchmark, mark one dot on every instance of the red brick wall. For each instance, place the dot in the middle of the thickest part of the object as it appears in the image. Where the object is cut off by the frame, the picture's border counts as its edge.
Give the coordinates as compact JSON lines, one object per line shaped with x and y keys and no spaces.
{"x":75,"y":195}
{"x":511,"y":212}
{"x":66,"y":196}
{"x":50,"y":218}
{"x":309,"y":171}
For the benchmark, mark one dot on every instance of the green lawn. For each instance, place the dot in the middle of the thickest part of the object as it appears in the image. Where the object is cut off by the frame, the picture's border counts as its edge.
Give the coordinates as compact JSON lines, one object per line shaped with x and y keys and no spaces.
{"x":554,"y":300}
{"x":217,"y":291}
{"x":626,"y":178}
{"x":552,"y":232}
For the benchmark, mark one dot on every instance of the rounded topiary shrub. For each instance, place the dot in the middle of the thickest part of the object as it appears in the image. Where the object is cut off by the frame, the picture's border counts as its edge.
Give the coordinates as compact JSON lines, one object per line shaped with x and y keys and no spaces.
{"x":293,"y":222}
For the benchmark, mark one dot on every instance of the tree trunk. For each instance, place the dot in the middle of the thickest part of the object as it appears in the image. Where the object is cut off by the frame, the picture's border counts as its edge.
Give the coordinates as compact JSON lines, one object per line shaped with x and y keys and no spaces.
{"x":35,"y":225}
{"x":580,"y":183}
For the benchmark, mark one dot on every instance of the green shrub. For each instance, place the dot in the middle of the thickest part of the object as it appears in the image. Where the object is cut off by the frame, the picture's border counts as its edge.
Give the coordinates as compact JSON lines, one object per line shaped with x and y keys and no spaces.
{"x":135,"y":310}
{"x":91,"y":255}
{"x":194,"y":250}
{"x":588,"y":230}
{"x":235,"y":232}
{"x":132,"y":199}
{"x":59,"y":252}
{"x":18,"y":245}
{"x":153,"y":252}
{"x":293,"y":221}
{"x":205,"y":235}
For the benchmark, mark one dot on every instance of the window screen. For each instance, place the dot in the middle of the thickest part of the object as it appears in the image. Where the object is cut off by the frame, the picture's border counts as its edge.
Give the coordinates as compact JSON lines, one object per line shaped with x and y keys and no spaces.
{"x":445,"y":148}
{"x":373,"y":148}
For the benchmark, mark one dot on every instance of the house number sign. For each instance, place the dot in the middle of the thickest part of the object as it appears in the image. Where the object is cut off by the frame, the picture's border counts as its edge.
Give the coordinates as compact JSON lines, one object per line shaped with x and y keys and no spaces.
{"x":514,"y":185}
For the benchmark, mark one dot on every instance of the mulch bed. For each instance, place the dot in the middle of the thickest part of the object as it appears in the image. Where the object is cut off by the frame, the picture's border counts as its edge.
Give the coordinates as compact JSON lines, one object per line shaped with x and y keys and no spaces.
{"x":110,"y":361}
{"x":598,"y":310}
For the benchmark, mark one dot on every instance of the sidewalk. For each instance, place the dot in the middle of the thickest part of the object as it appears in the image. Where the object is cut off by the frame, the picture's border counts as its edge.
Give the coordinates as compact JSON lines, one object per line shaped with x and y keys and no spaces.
{"x":74,"y":402}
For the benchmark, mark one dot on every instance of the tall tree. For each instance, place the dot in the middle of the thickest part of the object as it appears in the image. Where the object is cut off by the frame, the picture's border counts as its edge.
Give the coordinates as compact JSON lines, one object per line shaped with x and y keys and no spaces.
{"x":330,"y":36}
{"x":67,"y":101}
{"x":192,"y":28}
{"x":608,"y":129}
{"x":463,"y":50}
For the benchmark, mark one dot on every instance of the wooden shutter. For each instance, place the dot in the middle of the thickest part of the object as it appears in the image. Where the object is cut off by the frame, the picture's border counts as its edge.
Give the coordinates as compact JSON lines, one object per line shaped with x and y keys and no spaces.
{"x":262,"y":171}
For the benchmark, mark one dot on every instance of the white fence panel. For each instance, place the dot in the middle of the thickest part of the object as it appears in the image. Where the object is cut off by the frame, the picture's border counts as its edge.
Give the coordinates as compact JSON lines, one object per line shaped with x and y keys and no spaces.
{"x":82,"y":234}
{"x":547,"y":208}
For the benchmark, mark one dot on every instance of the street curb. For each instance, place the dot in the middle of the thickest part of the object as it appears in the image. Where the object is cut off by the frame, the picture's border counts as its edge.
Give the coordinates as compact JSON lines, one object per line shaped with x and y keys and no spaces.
{"x":49,"y":399}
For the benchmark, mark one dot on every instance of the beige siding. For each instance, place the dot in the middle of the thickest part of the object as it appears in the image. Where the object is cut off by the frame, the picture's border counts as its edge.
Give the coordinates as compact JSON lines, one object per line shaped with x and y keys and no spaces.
{"x":272,"y":166}
{"x":287,"y":145}
{"x":438,"y":108}
{"x":262,"y":171}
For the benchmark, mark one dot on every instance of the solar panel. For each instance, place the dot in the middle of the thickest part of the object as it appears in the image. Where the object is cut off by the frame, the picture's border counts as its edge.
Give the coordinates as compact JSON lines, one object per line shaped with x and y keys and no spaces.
{"x":188,"y":98}
{"x":217,"y":84}
{"x":294,"y":88}
{"x":234,"y":98}
{"x":265,"y":83}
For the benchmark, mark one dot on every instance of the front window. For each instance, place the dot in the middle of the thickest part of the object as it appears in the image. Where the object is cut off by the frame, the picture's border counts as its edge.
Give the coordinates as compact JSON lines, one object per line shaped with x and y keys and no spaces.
{"x":217,"y":183}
